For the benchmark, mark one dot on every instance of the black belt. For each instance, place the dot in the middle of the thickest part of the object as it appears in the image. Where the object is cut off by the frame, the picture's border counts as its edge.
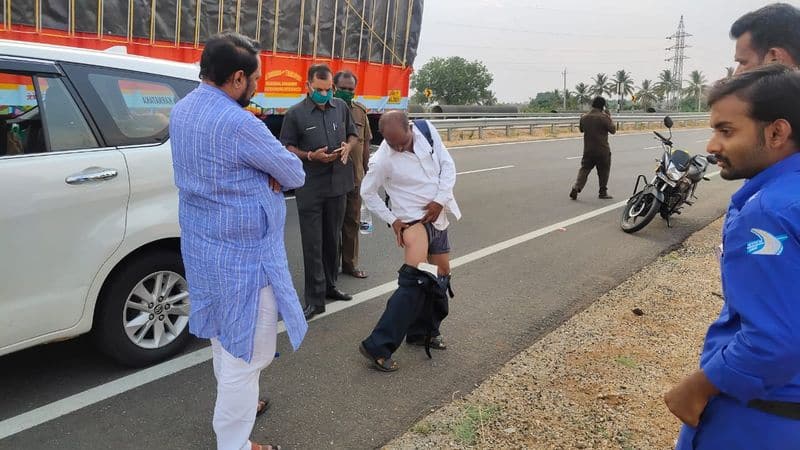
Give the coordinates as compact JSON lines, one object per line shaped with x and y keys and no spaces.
{"x":789,"y":410}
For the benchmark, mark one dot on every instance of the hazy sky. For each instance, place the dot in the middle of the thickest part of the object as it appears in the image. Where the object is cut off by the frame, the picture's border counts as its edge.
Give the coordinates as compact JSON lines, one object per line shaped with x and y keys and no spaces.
{"x":526,"y":44}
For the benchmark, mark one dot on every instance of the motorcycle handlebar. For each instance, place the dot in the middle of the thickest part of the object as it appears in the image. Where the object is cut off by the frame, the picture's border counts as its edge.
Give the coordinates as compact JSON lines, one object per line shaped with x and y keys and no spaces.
{"x":663,"y":139}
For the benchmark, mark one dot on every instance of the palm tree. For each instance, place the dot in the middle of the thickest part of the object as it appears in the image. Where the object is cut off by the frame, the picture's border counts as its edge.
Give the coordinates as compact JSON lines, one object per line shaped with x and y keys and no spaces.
{"x":667,"y":85}
{"x":697,"y":85}
{"x":647,"y":94}
{"x":623,"y":86}
{"x":730,"y":71}
{"x":600,"y":86}
{"x":582,"y":94}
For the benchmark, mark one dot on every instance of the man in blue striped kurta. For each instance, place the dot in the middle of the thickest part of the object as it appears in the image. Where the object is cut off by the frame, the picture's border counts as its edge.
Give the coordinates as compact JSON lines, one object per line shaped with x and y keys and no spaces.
{"x":229,"y":170}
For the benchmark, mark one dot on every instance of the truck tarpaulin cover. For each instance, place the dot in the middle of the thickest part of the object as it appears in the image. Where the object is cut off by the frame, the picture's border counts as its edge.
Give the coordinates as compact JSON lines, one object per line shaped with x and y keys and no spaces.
{"x":378,"y":31}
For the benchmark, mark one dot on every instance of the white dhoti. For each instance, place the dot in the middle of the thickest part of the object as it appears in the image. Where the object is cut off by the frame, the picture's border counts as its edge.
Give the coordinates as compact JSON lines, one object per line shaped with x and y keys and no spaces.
{"x":237,"y":380}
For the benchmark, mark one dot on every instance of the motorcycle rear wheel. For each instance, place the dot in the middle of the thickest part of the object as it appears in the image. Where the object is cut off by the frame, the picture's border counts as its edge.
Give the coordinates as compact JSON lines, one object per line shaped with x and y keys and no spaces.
{"x":639,"y":211}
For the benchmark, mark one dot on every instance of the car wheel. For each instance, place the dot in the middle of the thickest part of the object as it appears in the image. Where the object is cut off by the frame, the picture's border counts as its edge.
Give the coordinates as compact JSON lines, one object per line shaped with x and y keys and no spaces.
{"x":143,"y":312}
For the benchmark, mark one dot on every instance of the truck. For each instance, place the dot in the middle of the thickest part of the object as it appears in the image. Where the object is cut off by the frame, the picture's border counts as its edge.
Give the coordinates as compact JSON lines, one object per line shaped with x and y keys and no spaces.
{"x":377,"y":40}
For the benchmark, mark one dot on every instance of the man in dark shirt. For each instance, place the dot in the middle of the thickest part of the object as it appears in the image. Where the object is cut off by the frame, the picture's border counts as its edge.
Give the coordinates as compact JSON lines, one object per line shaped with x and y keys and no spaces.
{"x":595,"y":126}
{"x":321,"y":132}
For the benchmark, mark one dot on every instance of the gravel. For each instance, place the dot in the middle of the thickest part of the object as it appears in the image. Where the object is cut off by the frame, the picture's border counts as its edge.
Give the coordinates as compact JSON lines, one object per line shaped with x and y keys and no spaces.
{"x":597,"y":381}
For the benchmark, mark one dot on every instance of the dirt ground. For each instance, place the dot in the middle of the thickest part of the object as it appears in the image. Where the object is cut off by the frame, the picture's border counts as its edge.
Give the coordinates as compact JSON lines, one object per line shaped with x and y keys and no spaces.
{"x":597,"y":381}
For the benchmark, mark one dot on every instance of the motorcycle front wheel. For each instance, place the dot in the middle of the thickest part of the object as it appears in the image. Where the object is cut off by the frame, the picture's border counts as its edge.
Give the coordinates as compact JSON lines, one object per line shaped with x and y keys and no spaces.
{"x":639,"y":211}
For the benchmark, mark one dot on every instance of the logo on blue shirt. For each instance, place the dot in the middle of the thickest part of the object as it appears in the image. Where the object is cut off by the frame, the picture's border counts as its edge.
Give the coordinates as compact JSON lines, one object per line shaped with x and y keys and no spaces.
{"x":766,"y":244}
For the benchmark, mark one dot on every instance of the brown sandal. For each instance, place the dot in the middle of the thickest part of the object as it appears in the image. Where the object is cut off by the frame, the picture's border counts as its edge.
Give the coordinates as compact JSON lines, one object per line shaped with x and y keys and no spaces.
{"x":263,"y":406}
{"x":254,"y":446}
{"x":382,"y":364}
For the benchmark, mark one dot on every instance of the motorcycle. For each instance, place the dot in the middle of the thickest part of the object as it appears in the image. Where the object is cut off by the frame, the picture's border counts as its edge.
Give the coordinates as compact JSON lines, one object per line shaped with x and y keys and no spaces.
{"x":673,"y":186}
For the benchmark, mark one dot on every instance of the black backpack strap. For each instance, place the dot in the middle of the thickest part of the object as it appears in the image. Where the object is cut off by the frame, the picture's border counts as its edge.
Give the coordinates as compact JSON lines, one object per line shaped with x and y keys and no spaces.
{"x":422,"y":126}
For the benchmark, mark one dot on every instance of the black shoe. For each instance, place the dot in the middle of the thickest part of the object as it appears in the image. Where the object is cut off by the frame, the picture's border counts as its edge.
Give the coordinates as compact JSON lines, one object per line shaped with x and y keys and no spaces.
{"x":605,"y":197}
{"x":573,"y":194}
{"x":335,"y":294}
{"x":311,"y":311}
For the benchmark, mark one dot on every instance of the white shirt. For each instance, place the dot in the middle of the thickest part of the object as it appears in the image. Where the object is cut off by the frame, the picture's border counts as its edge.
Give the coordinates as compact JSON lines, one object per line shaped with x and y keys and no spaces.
{"x":412,"y":180}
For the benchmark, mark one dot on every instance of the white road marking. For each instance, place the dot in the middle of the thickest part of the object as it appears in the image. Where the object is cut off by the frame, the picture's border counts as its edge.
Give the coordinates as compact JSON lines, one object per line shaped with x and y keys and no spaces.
{"x":469,"y":172}
{"x":703,"y":140}
{"x":574,"y":157}
{"x":484,"y":170}
{"x":54,"y":410}
{"x":652,"y":148}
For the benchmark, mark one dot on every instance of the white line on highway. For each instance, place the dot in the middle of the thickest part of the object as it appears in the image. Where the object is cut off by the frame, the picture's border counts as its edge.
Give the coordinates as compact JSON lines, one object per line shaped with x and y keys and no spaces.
{"x":484,"y":170}
{"x":703,"y":140}
{"x":459,"y":173}
{"x":102,"y":392}
{"x":54,"y":410}
{"x":574,"y":157}
{"x":652,"y":148}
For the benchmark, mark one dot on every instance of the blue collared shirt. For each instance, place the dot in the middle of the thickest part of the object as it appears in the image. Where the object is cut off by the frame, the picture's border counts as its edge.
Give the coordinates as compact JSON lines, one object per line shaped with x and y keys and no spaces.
{"x":232,"y":223}
{"x":752,"y":351}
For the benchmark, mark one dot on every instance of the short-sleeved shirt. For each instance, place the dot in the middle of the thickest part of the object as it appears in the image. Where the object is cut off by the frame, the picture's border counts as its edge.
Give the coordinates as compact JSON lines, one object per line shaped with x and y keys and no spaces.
{"x":309,"y":128}
{"x":361,"y":120}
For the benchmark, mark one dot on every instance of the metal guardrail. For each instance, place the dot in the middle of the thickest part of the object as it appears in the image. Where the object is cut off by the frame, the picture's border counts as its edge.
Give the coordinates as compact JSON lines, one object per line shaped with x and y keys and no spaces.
{"x":554,"y":122}
{"x":479,"y":115}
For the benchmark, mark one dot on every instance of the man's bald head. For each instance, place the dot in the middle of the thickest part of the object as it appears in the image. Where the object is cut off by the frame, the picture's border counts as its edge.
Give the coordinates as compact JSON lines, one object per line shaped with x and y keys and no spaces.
{"x":396,"y":131}
{"x":393,"y":119}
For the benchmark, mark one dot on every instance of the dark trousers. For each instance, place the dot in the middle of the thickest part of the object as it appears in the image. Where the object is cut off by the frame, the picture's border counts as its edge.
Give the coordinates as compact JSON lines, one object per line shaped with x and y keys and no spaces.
{"x":603,"y":164}
{"x":405,"y":314}
{"x":350,"y":230}
{"x":320,"y":231}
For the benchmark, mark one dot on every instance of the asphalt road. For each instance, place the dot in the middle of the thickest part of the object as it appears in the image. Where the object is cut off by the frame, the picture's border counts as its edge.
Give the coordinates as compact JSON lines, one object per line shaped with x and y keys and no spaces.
{"x":509,"y":292}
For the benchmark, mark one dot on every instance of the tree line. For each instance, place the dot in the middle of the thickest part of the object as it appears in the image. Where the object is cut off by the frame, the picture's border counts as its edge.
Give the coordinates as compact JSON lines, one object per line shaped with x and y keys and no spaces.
{"x":457,"y":81}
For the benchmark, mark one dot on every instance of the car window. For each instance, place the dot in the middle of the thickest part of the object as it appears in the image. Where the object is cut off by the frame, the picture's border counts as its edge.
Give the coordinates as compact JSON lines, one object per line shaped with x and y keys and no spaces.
{"x":19,"y":114}
{"x":139,"y":108}
{"x":64,"y":124}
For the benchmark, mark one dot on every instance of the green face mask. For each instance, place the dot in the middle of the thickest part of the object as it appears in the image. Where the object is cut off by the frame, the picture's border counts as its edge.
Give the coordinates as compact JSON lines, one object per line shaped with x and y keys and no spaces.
{"x":347,"y":96}
{"x":320,"y":99}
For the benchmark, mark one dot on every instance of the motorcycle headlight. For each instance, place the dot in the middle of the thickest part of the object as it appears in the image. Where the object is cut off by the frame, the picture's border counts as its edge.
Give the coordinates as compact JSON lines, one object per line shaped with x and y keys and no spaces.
{"x":673,"y":173}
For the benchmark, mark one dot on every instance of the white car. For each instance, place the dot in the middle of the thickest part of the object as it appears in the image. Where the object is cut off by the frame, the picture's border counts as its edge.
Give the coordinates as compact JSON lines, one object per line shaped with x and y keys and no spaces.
{"x":89,"y":236}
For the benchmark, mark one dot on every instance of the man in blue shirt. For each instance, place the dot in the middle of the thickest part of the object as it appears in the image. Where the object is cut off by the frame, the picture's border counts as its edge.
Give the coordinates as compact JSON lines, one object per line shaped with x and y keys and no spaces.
{"x":746,"y":394}
{"x":229,"y":170}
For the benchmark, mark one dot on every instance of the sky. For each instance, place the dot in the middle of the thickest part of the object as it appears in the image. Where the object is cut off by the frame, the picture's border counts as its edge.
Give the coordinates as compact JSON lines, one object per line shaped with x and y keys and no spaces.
{"x":527,"y":44}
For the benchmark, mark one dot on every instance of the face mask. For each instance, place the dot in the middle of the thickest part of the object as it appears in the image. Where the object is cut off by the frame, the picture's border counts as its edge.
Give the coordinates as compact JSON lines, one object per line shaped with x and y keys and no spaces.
{"x":347,"y":96}
{"x":321,"y":99}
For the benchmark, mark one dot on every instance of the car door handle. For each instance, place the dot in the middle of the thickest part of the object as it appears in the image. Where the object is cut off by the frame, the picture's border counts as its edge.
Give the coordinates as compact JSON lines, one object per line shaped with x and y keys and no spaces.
{"x":92,"y":174}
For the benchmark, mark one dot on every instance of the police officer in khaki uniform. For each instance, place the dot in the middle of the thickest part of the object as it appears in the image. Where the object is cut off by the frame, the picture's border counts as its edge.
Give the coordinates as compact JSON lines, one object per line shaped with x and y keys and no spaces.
{"x":595,"y":125}
{"x":345,"y":83}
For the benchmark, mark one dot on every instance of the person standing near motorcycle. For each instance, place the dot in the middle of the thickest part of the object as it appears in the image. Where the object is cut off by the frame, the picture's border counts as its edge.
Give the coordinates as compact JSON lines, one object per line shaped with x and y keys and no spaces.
{"x":746,"y":393}
{"x":595,"y":126}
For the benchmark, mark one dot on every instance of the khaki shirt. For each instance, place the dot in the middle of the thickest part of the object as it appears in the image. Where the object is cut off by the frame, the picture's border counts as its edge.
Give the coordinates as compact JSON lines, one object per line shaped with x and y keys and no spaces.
{"x":596,"y":125}
{"x":361,"y":121}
